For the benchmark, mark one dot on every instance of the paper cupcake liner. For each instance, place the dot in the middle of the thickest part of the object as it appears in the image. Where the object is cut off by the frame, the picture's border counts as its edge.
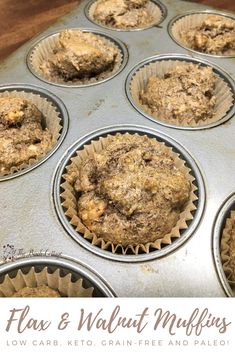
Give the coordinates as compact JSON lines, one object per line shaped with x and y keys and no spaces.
{"x":50,"y":114}
{"x":54,"y":280}
{"x":229,"y":269}
{"x":46,"y":46}
{"x":189,"y":22}
{"x":69,"y":204}
{"x":223,"y":93}
{"x":152,"y":8}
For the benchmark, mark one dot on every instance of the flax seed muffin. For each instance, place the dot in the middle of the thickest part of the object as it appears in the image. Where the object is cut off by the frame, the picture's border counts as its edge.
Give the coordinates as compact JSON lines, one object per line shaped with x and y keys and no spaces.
{"x":215,"y":35}
{"x":184,"y":93}
{"x":23,"y":135}
{"x":37,"y":292}
{"x":131,"y":191}
{"x":123,"y":14}
{"x":79,"y":56}
{"x":46,"y":281}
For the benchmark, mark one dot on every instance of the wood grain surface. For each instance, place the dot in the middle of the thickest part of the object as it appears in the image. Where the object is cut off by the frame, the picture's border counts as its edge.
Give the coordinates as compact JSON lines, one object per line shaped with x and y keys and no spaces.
{"x":20,"y":20}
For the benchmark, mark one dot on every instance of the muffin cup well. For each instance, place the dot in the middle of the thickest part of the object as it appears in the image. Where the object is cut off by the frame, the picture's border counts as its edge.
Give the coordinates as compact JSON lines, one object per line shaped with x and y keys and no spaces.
{"x":53,"y":121}
{"x":69,"y":204}
{"x":158,"y":66}
{"x":154,"y":8}
{"x":225,"y":249}
{"x":44,"y":47}
{"x":54,"y":280}
{"x":189,"y":21}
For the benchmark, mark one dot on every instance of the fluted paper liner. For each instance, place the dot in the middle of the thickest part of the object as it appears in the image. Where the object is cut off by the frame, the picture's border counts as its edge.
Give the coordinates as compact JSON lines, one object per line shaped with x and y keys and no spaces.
{"x":189,"y":22}
{"x":69,"y":203}
{"x":229,"y":269}
{"x":152,"y":8}
{"x":45,"y":47}
{"x":223,"y":93}
{"x":52,"y":121}
{"x":54,"y":280}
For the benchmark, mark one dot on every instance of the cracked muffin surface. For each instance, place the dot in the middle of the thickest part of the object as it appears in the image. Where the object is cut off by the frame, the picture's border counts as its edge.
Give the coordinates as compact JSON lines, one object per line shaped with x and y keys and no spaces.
{"x":216,"y":35}
{"x":184,"y":94}
{"x":131,"y":192}
{"x":23,"y":135}
{"x":38,"y":292}
{"x":123,"y":13}
{"x":79,"y":55}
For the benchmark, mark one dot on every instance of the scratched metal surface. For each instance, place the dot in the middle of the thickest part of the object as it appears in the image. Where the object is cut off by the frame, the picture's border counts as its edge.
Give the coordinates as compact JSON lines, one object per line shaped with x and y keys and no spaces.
{"x":28,"y":218}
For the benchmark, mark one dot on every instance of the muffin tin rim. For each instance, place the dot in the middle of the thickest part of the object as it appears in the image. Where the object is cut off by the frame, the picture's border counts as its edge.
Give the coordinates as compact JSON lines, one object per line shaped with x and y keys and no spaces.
{"x":194,"y":12}
{"x":161,"y":6}
{"x":63,"y":261}
{"x":181,"y":57}
{"x":119,"y":43}
{"x":221,"y":216}
{"x":64,"y":116}
{"x":125,"y":128}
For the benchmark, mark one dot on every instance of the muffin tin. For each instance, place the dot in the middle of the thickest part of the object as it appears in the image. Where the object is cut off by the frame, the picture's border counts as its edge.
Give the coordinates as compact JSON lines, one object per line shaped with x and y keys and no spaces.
{"x":30,"y":216}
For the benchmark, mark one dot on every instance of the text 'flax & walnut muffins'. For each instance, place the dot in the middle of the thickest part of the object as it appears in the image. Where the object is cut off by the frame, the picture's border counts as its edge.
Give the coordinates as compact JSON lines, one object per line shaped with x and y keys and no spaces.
{"x":128,"y":193}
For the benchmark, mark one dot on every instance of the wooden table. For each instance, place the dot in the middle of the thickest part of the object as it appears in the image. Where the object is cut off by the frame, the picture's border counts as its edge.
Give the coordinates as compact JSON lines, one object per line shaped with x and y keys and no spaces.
{"x":21,"y":20}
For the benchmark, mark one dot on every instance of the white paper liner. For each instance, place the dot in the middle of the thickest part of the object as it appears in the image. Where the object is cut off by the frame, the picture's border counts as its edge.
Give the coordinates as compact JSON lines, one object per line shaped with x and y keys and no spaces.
{"x":45,"y":47}
{"x":223,"y":93}
{"x":229,"y":269}
{"x":69,"y":203}
{"x":52,"y":121}
{"x":189,"y":22}
{"x":152,"y":8}
{"x":33,"y":279}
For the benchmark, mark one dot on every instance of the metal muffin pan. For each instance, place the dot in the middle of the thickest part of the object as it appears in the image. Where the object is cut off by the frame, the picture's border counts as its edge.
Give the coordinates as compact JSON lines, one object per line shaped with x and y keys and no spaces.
{"x":28,"y":216}
{"x":161,"y":6}
{"x":223,"y":214}
{"x":63,"y":114}
{"x":186,"y":58}
{"x":77,"y":270}
{"x":209,"y":12}
{"x":119,"y":44}
{"x":185,"y":234}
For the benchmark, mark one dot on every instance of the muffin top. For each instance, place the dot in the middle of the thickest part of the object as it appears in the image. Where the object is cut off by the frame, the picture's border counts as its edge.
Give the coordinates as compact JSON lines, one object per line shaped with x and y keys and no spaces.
{"x":37,"y":292}
{"x":122,"y":13}
{"x":79,"y":55}
{"x":215,"y":35}
{"x":185,"y":94}
{"x":131,"y":192}
{"x":23,"y":135}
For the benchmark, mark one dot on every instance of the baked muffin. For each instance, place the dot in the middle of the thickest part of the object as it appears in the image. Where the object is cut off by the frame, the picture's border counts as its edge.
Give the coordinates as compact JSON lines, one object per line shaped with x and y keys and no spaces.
{"x":37,"y":292}
{"x":78,"y":56}
{"x":215,"y":35}
{"x":123,"y":13}
{"x":23,"y":135}
{"x":131,"y":192}
{"x":228,"y":247}
{"x":184,"y":93}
